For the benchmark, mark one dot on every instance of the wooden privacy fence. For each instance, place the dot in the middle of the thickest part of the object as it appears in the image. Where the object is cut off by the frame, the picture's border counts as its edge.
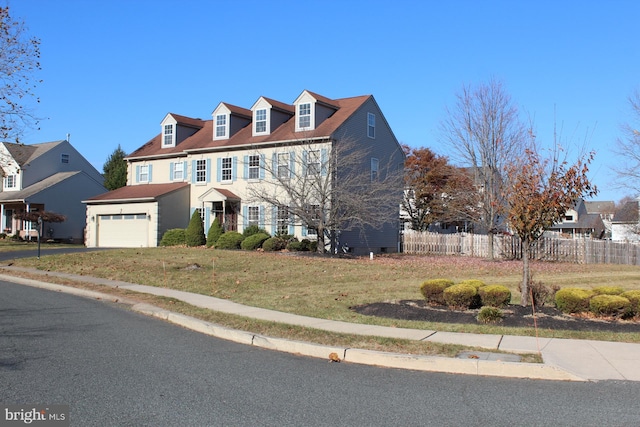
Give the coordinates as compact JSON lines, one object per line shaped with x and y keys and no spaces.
{"x":581,"y":251}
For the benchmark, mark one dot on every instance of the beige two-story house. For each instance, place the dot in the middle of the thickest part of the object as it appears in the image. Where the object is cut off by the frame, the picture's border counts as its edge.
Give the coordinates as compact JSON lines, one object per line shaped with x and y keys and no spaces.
{"x":51,"y":177}
{"x":241,"y":166}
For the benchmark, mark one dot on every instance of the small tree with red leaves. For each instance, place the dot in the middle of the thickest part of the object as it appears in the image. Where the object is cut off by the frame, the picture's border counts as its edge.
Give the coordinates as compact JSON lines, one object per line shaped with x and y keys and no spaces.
{"x":539,"y":193}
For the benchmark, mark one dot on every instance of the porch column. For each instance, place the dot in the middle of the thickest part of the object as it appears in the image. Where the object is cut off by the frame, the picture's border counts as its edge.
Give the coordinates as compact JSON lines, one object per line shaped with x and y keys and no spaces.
{"x":4,"y":225}
{"x":224,"y":214}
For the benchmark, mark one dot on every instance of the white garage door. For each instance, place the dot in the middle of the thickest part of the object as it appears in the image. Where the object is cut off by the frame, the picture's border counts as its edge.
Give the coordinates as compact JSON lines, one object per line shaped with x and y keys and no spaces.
{"x":123,"y":231}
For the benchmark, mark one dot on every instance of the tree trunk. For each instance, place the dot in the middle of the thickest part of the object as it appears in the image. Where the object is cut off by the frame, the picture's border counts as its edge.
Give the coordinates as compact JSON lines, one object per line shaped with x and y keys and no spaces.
{"x":490,"y":236}
{"x":524,"y":287}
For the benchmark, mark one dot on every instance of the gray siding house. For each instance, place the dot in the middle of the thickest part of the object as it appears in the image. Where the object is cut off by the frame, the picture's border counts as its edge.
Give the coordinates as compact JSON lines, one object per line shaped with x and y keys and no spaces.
{"x":52,"y":177}
{"x":219,"y":166}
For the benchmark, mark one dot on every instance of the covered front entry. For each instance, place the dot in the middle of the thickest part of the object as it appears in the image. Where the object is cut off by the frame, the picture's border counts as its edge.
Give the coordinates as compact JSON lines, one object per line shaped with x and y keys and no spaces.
{"x":123,"y":230}
{"x":223,"y":205}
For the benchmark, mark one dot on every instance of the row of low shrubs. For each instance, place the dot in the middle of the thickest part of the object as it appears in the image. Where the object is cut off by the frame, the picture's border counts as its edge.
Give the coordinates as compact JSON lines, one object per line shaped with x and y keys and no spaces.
{"x":604,"y":301}
{"x":252,"y":238}
{"x":466,"y":294}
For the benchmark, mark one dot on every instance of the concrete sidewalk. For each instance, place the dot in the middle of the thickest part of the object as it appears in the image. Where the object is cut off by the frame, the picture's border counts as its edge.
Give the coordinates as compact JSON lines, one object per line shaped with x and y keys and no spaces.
{"x":564,"y":359}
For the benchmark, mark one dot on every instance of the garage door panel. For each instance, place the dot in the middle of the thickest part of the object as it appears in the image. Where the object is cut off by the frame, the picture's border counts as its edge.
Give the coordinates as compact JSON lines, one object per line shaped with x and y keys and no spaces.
{"x":123,"y":230}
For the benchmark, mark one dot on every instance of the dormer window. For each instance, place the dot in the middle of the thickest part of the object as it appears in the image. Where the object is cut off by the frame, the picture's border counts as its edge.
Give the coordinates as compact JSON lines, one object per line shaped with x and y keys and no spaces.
{"x":261,"y":121}
{"x":221,"y":125}
{"x":167,"y":140}
{"x":304,"y":115}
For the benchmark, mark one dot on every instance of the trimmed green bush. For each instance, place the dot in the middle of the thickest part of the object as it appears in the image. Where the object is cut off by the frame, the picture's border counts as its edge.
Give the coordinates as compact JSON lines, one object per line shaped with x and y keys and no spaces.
{"x":274,"y":244}
{"x":253,"y":229}
{"x":254,"y":241}
{"x":432,"y":290}
{"x":610,"y":305}
{"x":608,"y":290}
{"x":573,"y":300}
{"x":474,"y":282}
{"x":194,"y":234}
{"x":299,"y":246}
{"x":230,"y":240}
{"x":215,"y":231}
{"x":634,"y":298}
{"x":173,"y":237}
{"x":495,"y":295}
{"x":490,"y":315}
{"x":461,"y":296}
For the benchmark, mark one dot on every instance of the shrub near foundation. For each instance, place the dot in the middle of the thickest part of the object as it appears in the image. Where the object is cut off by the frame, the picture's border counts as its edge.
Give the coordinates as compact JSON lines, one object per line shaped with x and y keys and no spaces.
{"x":573,"y":300}
{"x":230,"y":240}
{"x":432,"y":290}
{"x":173,"y":237}
{"x":461,"y":296}
{"x":254,"y":241}
{"x":495,"y":295}
{"x":610,"y":305}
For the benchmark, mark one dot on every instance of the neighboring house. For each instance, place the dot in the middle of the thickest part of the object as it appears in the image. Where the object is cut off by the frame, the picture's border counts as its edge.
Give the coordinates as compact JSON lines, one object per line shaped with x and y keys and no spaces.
{"x":578,"y":222}
{"x":214,"y":165}
{"x":606,"y":210}
{"x":52,"y":177}
{"x":625,"y":226}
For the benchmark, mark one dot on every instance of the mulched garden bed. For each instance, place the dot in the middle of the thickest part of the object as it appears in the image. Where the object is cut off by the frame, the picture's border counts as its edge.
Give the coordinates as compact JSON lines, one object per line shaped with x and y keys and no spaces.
{"x":515,"y":316}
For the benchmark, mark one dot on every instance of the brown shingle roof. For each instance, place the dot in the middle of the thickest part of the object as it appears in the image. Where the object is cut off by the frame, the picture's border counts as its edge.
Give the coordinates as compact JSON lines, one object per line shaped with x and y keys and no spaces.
{"x":203,"y":139}
{"x":137,"y":192}
{"x":23,"y":154}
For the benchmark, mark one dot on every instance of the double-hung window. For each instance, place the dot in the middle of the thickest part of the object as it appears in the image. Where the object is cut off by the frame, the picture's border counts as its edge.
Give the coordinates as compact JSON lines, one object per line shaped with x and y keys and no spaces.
{"x":371,"y":125}
{"x":254,"y":167}
{"x":144,"y":173}
{"x":168,"y":135}
{"x":221,"y":125}
{"x":375,"y":163}
{"x":226,"y":169}
{"x":282,"y":223}
{"x":10,"y":181}
{"x":201,"y":171}
{"x":261,"y":121}
{"x":313,"y":162}
{"x":313,"y":215}
{"x":253,"y":213}
{"x":283,"y":165}
{"x":304,"y":116}
{"x":178,"y":171}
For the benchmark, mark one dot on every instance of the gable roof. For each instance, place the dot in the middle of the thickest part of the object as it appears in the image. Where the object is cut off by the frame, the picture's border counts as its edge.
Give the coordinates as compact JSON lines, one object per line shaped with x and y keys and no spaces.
{"x":629,"y":213}
{"x":203,"y":140}
{"x":137,"y":193}
{"x":32,"y":190}
{"x":600,"y":207}
{"x":187,"y":121}
{"x":23,"y":154}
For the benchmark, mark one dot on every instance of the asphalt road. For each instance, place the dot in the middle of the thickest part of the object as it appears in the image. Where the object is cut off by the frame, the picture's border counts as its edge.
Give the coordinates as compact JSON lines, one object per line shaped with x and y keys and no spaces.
{"x":115,"y":367}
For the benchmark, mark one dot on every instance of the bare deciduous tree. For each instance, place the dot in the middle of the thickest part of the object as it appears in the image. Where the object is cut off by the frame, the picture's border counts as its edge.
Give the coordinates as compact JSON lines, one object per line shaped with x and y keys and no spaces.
{"x":19,"y":61}
{"x":330,"y":187}
{"x":484,"y":132}
{"x":627,"y":168}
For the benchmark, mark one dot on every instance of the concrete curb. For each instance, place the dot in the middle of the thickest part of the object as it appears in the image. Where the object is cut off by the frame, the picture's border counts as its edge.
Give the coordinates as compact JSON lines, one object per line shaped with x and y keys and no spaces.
{"x":538,"y":371}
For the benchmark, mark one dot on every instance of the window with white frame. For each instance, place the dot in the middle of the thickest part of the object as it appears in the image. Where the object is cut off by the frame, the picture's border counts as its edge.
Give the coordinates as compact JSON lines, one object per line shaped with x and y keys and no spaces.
{"x":201,"y":171}
{"x":168,"y":135}
{"x":10,"y":181}
{"x":178,"y":171}
{"x":64,"y":158}
{"x":261,"y":120}
{"x":201,"y":213}
{"x":304,"y":115}
{"x":144,"y":173}
{"x":371,"y":125}
{"x":375,"y":163}
{"x":221,"y":125}
{"x":283,"y":165}
{"x":227,"y":169}
{"x":254,"y":167}
{"x":253,"y":214}
{"x":313,"y":216}
{"x":282,"y":221}
{"x":313,"y":162}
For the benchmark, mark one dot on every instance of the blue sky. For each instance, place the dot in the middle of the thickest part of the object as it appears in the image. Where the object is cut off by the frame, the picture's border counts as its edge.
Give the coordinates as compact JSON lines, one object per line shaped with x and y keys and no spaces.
{"x":113,"y":69}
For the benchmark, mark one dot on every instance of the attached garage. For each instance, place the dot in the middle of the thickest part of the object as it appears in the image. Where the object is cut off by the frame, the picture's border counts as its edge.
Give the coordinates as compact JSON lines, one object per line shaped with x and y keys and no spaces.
{"x":126,"y":231}
{"x":136,"y":216}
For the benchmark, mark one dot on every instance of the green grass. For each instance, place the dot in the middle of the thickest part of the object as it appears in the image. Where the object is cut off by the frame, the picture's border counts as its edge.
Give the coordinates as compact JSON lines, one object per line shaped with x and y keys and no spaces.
{"x":326,"y":287}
